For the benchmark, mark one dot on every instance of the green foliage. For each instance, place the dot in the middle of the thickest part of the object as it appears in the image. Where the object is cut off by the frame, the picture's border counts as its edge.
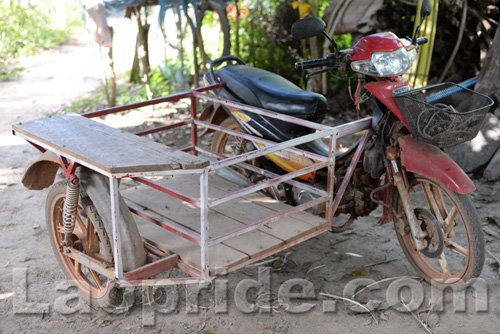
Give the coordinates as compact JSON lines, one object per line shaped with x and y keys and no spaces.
{"x":344,"y":41}
{"x":126,"y":93}
{"x":264,"y":38}
{"x":95,"y":101}
{"x":173,"y":72}
{"x":9,"y":73}
{"x":261,"y":41}
{"x":26,"y":28}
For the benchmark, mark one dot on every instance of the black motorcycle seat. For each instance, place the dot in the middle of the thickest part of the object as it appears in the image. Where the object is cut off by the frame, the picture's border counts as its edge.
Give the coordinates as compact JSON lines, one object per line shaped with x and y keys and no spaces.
{"x":270,"y":91}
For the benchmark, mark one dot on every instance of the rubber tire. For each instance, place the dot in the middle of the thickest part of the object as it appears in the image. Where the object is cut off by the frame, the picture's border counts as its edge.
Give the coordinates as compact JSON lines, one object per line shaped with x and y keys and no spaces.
{"x":475,"y":239}
{"x":112,"y":295}
{"x":228,"y":123}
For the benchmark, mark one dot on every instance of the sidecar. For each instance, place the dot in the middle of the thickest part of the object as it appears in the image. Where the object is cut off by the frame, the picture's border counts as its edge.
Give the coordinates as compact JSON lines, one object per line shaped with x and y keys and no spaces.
{"x":131,"y":208}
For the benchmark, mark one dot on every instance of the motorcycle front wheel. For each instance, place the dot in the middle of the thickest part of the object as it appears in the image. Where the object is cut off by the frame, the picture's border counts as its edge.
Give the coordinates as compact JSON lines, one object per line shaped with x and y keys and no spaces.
{"x":459,"y":236}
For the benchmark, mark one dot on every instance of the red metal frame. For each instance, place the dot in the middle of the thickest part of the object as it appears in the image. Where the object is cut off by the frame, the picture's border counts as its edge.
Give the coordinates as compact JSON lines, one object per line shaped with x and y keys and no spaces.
{"x":68,"y":168}
{"x":166,"y":259}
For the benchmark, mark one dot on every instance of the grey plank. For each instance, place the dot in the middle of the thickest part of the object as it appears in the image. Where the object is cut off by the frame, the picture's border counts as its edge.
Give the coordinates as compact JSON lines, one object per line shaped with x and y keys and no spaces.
{"x":247,"y":209}
{"x":221,"y":257}
{"x":110,"y":149}
{"x":252,"y":243}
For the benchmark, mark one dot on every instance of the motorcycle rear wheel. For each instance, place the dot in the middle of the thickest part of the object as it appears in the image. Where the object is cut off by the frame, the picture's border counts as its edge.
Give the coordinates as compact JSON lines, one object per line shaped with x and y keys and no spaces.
{"x":463,"y":253}
{"x":224,"y":143}
{"x":229,"y":145}
{"x":90,"y":237}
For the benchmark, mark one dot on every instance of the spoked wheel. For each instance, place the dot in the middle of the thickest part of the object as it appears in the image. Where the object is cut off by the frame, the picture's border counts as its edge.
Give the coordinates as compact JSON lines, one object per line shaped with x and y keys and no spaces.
{"x":455,"y":252}
{"x":229,"y":145}
{"x":91,"y":238}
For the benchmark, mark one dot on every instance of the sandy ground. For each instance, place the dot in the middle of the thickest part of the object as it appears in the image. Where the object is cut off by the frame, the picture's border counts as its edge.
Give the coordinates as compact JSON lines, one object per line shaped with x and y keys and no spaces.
{"x":34,"y":299}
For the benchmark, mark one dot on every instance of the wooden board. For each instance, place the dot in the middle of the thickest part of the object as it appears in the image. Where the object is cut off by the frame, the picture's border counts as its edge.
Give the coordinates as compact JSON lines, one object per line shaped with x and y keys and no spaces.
{"x":250,"y":207}
{"x":223,"y":218}
{"x":252,"y":243}
{"x":107,"y":148}
{"x":221,"y":257}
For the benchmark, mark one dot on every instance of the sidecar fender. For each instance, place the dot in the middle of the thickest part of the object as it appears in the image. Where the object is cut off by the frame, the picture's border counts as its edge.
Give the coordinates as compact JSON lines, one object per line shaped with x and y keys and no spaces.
{"x":42,"y":173}
{"x":431,"y":162}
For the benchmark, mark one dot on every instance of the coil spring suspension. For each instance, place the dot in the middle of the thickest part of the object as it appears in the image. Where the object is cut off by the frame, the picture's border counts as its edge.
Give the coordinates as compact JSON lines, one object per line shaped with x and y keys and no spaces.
{"x":240,"y":144}
{"x":69,"y":210}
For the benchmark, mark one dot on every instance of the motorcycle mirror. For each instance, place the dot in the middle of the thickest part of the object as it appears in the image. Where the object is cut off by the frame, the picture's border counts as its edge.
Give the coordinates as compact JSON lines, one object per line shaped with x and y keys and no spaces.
{"x":425,"y":11}
{"x":307,"y":27}
{"x":426,"y":8}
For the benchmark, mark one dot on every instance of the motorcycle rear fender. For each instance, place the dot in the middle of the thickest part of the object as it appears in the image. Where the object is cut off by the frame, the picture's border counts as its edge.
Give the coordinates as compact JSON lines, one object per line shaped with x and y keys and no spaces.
{"x":429,"y":161}
{"x":213,"y":114}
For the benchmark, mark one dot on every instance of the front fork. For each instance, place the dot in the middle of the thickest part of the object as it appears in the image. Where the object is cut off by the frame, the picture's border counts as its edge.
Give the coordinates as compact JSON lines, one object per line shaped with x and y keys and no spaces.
{"x":403,"y":189}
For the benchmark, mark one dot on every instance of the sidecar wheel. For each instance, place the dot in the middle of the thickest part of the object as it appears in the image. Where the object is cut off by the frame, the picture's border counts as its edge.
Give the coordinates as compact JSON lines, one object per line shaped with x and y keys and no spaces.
{"x":90,"y":237}
{"x":462,"y":258}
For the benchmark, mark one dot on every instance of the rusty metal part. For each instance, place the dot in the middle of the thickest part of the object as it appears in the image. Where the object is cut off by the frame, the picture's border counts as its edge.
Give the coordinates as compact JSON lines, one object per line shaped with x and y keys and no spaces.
{"x":87,"y":262}
{"x":376,"y":190}
{"x":212,"y":114}
{"x":350,"y":170}
{"x":42,"y":173}
{"x":278,"y":192}
{"x":70,"y":209}
{"x":98,"y":190}
{"x":435,"y":238}
{"x":417,"y":233}
{"x":153,"y":268}
{"x":462,"y":257}
{"x":345,"y":227}
{"x":392,"y":152}
{"x":91,"y":263}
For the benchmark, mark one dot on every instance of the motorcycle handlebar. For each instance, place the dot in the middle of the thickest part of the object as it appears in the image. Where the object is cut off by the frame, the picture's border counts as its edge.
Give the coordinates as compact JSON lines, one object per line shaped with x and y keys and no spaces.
{"x":422,"y":40}
{"x":327,"y":61}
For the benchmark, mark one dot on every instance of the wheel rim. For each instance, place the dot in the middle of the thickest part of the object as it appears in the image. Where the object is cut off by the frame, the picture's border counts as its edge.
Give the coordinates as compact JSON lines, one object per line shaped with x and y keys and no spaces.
{"x":451,"y":266}
{"x":86,"y":239}
{"x":229,"y":146}
{"x":226,"y":144}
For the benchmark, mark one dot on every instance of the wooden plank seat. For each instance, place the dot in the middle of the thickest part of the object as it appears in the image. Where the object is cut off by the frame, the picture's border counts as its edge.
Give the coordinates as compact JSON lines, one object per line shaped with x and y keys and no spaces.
{"x":222,"y":218}
{"x":112,"y":150}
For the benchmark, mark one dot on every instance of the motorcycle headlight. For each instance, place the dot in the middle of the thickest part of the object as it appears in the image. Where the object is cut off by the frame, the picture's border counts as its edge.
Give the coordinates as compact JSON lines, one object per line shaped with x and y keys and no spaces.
{"x":386,"y":64}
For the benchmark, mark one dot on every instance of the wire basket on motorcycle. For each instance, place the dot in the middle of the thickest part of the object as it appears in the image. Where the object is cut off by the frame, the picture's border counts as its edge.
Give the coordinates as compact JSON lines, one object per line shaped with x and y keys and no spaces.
{"x":445,"y":114}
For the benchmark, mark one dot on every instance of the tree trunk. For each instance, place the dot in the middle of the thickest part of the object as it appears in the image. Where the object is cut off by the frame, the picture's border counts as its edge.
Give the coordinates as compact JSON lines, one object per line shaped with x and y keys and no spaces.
{"x":142,"y":51}
{"x":488,"y":82}
{"x":109,"y":73}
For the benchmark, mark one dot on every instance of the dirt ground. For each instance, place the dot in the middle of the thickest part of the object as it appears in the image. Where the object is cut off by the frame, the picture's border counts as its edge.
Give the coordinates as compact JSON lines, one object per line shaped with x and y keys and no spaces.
{"x":329,"y":262}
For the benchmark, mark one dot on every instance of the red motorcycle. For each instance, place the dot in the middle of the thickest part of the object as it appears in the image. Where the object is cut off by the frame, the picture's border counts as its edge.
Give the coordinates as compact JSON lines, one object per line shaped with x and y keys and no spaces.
{"x":397,"y":164}
{"x":399,"y":161}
